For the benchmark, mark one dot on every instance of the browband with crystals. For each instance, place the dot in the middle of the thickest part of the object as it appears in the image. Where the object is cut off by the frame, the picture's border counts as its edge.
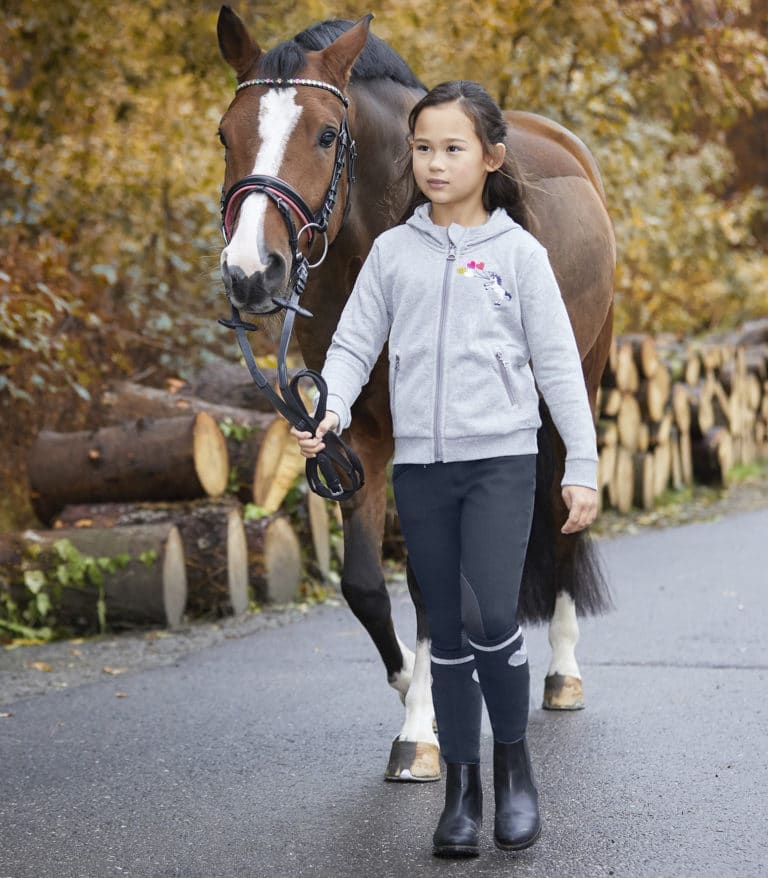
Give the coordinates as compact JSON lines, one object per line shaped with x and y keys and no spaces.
{"x":317,"y":83}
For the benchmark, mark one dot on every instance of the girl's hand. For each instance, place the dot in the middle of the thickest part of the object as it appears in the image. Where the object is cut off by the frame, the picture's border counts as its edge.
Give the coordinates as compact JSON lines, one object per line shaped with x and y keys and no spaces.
{"x":309,"y":445}
{"x":582,"y":507}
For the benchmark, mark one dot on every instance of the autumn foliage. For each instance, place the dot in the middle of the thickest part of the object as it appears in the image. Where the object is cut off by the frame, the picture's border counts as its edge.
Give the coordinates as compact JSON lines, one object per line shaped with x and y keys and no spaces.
{"x":110,"y":169}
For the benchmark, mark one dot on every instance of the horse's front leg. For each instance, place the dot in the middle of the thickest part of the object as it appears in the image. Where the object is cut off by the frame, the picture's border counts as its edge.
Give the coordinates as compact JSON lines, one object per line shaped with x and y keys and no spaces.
{"x":415,"y":755}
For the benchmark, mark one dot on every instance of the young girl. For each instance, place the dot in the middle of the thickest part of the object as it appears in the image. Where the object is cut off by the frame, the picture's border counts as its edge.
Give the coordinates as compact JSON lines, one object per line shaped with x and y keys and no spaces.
{"x":466,"y":297}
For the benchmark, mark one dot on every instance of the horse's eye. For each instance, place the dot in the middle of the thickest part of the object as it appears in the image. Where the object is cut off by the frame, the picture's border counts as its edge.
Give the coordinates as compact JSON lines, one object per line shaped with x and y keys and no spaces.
{"x":222,"y":138}
{"x":327,"y":138}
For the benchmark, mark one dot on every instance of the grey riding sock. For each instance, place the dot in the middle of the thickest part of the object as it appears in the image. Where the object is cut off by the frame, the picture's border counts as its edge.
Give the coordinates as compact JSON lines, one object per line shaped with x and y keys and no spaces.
{"x":458,"y":706}
{"x":502,"y":667}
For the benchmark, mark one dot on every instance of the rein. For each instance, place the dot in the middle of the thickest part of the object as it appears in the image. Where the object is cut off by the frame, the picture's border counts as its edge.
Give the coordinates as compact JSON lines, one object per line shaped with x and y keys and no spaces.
{"x":323,"y":470}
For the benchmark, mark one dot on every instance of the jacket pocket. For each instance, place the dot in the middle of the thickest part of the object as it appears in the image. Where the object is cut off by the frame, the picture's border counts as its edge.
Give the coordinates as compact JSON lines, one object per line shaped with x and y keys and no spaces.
{"x":506,"y":367}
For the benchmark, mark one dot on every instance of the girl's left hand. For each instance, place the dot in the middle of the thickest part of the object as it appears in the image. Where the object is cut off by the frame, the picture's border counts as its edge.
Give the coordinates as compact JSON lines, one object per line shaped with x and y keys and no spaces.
{"x":582,"y":507}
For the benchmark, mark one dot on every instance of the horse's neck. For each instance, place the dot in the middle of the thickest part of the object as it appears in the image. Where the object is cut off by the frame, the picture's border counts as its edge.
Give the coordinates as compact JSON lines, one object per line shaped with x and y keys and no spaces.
{"x":380,"y":110}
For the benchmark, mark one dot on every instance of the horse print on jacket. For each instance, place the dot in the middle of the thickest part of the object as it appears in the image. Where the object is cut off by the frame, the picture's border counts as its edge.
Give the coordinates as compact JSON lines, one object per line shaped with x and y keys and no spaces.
{"x":492,"y":281}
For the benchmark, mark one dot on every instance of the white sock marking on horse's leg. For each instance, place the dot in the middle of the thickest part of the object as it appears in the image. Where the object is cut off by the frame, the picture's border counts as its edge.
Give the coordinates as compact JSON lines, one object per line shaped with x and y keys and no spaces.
{"x":419,"y":712}
{"x":563,"y":637}
{"x":278,"y":115}
{"x":401,"y":681}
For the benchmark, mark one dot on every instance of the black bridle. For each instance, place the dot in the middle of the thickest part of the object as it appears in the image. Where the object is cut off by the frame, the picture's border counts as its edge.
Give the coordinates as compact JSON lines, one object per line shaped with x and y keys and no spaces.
{"x":322,"y":470}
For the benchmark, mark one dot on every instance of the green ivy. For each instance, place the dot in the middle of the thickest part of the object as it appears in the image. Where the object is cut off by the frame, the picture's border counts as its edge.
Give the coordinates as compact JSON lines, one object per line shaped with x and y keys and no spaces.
{"x":45,"y":576}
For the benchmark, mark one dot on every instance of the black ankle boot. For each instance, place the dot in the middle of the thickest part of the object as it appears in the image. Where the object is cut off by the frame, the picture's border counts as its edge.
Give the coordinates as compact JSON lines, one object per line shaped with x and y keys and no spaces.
{"x":458,"y":831}
{"x":518,"y":824}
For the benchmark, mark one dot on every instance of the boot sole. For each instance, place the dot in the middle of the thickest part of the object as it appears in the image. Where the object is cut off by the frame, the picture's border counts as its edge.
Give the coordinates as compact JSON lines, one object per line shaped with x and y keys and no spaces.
{"x":520,"y":846}
{"x":456,"y":851}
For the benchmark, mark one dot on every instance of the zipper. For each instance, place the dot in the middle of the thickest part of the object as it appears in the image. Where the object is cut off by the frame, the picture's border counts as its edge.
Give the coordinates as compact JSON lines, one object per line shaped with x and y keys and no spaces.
{"x":506,"y":377}
{"x":394,"y":385}
{"x":449,"y":260}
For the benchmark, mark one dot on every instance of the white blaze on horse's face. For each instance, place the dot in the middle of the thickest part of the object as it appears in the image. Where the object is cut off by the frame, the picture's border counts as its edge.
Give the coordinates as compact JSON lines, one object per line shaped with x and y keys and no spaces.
{"x":278,"y":115}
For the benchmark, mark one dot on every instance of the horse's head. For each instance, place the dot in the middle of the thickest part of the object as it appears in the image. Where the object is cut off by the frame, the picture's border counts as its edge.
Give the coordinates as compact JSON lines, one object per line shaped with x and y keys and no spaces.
{"x":284,"y":135}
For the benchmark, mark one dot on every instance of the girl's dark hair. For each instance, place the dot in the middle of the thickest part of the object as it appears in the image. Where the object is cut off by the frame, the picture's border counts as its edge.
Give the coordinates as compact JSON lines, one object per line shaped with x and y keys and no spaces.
{"x":505,"y":187}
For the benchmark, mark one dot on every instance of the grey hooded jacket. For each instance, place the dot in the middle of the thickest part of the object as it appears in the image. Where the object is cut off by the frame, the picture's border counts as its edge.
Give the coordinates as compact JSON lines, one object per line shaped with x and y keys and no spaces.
{"x":465,"y":310}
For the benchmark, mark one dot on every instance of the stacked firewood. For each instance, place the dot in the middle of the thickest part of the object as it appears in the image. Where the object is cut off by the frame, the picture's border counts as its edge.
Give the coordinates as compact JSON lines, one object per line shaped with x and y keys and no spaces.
{"x":673,"y":413}
{"x":163,"y":482}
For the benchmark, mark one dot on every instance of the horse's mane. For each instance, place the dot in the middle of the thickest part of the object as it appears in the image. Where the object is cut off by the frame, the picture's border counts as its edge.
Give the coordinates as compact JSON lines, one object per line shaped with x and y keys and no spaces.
{"x":376,"y":61}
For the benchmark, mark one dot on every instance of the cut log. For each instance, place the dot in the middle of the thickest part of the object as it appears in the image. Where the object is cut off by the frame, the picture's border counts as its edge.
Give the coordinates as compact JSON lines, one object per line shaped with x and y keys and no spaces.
{"x":168,"y":459}
{"x":692,"y":372}
{"x":611,"y":402}
{"x":713,"y":456}
{"x":280,"y":463}
{"x":243,"y":447}
{"x":681,"y":406}
{"x":660,"y":432}
{"x":126,"y":400}
{"x":621,"y":486}
{"x":607,"y":433}
{"x":627,"y":374}
{"x":653,"y":394}
{"x":676,"y":468}
{"x":213,"y":538}
{"x":643,"y":480}
{"x":628,"y":423}
{"x":274,"y":559}
{"x":702,"y":411}
{"x":644,"y":353}
{"x":319,"y":527}
{"x":686,"y":457}
{"x":662,"y":468}
{"x":230,"y":384}
{"x":150,"y":589}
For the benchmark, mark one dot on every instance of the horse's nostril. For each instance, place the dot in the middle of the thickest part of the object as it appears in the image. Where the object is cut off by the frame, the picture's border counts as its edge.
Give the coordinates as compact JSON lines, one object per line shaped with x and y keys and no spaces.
{"x":275,"y":272}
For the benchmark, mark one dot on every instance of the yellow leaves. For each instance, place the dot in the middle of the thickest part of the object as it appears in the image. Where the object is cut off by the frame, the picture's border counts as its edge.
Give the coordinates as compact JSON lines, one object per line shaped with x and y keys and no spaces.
{"x":43,"y":667}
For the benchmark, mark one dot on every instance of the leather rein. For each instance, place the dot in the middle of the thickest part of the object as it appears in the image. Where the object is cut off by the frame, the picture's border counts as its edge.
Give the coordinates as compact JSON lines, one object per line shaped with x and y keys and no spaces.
{"x":322,"y":470}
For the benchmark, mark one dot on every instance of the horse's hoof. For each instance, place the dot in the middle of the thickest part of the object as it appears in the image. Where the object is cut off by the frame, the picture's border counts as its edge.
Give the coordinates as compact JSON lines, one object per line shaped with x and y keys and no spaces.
{"x":563,"y":692}
{"x":413,"y":761}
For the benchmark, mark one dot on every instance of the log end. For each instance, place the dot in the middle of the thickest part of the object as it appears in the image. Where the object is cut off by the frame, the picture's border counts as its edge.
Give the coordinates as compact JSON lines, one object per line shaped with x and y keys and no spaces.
{"x":210,"y":455}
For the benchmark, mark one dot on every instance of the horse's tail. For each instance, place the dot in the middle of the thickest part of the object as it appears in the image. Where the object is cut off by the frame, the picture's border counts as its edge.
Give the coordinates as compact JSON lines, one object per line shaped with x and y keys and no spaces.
{"x":556,"y":562}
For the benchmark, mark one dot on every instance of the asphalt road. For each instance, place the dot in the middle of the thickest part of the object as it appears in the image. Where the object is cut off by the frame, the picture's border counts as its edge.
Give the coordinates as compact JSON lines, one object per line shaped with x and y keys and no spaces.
{"x":264,"y":755}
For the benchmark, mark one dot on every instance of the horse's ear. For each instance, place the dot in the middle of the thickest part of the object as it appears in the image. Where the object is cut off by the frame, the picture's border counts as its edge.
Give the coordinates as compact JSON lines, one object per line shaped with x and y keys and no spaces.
{"x":342,"y":53}
{"x":235,"y":43}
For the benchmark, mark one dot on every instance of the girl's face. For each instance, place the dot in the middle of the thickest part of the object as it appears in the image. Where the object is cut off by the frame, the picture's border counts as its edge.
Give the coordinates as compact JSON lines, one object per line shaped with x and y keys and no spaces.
{"x":449,"y":164}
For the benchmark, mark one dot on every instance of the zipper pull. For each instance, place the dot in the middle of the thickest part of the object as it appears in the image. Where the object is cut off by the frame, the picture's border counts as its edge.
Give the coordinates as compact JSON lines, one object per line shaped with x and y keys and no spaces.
{"x":451,"y":253}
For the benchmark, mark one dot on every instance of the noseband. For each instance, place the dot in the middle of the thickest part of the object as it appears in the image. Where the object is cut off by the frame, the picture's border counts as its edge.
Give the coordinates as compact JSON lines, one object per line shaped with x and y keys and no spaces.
{"x":322,"y":470}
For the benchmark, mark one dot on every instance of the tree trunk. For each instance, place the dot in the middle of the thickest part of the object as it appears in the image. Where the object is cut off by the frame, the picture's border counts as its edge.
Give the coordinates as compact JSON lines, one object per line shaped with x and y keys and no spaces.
{"x":213,"y":538}
{"x":150,"y":589}
{"x":279,"y":464}
{"x":274,"y":559}
{"x":168,"y":459}
{"x":125,"y":400}
{"x":230,"y":384}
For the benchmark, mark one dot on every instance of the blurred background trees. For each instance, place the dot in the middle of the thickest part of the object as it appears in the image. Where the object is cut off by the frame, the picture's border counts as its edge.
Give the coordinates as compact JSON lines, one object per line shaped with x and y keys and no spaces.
{"x":110,"y":169}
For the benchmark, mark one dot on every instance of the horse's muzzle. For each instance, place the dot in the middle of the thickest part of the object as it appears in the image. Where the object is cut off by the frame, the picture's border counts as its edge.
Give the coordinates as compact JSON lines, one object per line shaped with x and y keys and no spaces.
{"x":253,"y":293}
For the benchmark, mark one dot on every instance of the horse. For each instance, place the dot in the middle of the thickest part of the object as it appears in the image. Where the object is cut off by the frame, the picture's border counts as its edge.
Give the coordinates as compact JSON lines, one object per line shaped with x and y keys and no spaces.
{"x":286,"y":139}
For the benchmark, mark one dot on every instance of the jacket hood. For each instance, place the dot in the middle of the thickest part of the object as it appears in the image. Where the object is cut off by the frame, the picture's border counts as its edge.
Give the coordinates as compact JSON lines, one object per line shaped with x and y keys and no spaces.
{"x":497,"y":224}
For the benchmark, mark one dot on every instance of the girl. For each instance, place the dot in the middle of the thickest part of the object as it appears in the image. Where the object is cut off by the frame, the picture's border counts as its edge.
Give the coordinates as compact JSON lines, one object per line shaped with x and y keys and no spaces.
{"x":466,"y":297}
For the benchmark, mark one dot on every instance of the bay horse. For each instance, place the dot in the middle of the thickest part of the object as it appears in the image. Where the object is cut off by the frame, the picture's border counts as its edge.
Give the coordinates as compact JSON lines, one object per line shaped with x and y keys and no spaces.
{"x":286,"y":129}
